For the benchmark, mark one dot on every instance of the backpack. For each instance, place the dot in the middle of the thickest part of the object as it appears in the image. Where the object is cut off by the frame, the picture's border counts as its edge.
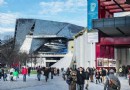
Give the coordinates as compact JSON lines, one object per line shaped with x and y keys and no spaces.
{"x":113,"y":84}
{"x":68,"y":81}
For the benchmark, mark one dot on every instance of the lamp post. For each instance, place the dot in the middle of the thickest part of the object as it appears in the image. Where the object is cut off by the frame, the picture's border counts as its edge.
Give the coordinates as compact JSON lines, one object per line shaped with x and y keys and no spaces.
{"x":74,"y":64}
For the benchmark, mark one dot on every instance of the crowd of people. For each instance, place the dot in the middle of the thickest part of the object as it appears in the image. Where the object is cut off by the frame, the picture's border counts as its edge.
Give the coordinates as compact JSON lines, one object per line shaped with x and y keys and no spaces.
{"x":78,"y":79}
{"x":123,"y":71}
{"x":13,"y":73}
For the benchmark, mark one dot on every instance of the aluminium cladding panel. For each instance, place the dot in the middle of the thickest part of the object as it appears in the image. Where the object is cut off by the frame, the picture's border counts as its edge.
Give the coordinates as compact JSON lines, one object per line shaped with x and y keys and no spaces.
{"x":70,"y":30}
{"x":111,"y":22}
{"x":108,"y":22}
{"x":127,"y":21}
{"x":119,"y":21}
{"x":98,"y":23}
{"x":65,"y":32}
{"x":36,"y":43}
{"x":44,"y":27}
{"x":22,"y":29}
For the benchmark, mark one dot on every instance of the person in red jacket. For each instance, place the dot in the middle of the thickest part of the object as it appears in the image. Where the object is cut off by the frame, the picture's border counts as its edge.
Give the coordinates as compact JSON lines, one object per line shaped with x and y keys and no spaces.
{"x":24,"y":72}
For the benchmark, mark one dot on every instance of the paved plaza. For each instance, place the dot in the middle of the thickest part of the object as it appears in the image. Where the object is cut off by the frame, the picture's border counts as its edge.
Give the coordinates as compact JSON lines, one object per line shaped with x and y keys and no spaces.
{"x":55,"y":84}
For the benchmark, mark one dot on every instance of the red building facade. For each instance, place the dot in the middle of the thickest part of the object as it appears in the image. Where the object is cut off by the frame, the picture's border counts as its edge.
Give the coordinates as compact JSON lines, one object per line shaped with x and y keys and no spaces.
{"x":105,"y":49}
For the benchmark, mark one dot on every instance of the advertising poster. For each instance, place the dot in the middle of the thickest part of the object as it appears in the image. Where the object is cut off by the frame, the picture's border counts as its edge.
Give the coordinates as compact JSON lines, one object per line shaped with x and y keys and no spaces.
{"x":100,"y":62}
{"x":112,"y":63}
{"x":105,"y":62}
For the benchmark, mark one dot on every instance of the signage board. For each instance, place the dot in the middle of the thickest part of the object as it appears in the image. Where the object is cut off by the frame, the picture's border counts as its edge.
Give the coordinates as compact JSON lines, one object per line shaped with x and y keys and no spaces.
{"x":92,"y":37}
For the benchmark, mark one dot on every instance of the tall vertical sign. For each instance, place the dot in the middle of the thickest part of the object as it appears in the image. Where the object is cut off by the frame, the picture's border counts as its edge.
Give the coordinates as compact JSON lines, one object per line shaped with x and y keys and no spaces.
{"x":92,"y":12}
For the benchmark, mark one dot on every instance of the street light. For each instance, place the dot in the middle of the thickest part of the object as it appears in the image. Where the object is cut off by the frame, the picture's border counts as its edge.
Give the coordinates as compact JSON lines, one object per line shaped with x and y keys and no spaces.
{"x":74,"y":64}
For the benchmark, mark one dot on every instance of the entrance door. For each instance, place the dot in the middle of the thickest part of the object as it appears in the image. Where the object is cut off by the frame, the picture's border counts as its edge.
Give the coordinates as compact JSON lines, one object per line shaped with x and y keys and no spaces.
{"x":122,"y":55}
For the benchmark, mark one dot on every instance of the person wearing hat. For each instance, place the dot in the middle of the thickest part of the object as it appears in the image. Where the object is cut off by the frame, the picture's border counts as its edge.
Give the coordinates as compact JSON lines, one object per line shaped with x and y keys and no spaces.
{"x":112,"y":82}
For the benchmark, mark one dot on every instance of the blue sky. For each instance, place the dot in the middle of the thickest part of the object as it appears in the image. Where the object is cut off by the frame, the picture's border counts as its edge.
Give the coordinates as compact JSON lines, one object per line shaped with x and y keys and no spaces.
{"x":72,"y":11}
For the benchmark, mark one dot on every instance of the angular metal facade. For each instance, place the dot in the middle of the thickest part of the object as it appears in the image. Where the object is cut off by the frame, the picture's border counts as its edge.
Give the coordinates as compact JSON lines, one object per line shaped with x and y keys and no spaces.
{"x":44,"y":34}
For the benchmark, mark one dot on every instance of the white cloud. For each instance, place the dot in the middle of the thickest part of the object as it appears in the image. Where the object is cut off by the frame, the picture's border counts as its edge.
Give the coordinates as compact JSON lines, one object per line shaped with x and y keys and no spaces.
{"x":8,"y":18}
{"x":7,"y":22}
{"x":59,"y":6}
{"x":4,"y":30}
{"x":2,"y":2}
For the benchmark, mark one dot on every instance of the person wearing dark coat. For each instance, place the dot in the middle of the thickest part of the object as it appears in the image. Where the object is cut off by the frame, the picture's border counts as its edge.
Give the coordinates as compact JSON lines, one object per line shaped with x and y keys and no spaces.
{"x":52,"y":73}
{"x":3,"y":73}
{"x":80,"y":79}
{"x":39,"y":73}
{"x":87,"y":75}
{"x":104,"y":73}
{"x":29,"y":71}
{"x":46,"y":73}
{"x":91,"y":74}
{"x":68,"y":72}
{"x":97,"y":75}
{"x":58,"y":71}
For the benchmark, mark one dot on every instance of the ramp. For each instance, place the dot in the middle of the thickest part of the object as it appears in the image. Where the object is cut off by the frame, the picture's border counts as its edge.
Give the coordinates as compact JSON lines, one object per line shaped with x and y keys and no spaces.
{"x":64,"y":62}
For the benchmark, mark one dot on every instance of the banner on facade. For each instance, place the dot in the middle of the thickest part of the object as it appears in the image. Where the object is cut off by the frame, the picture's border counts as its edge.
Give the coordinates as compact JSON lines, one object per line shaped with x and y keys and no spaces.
{"x":92,"y":37}
{"x":92,"y":12}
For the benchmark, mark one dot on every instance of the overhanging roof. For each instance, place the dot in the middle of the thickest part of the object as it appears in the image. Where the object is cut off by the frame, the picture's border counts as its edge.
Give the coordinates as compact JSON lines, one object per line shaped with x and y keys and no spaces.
{"x":118,"y":26}
{"x":114,"y":6}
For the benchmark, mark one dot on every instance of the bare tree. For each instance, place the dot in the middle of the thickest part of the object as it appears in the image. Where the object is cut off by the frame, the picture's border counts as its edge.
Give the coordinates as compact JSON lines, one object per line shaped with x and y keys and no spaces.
{"x":23,"y":58}
{"x":10,"y":53}
{"x":7,"y":51}
{"x":35,"y":61}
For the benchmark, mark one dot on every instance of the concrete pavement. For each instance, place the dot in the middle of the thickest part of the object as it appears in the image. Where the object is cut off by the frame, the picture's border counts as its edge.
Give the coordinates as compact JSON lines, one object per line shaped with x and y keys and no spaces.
{"x":55,"y":84}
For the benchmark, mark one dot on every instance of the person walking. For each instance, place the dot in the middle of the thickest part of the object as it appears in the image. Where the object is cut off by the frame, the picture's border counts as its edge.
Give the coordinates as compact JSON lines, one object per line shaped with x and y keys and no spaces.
{"x":3,"y":73}
{"x":91,"y":74}
{"x":97,"y":75}
{"x":80,"y":79}
{"x":104,"y":73}
{"x":46,"y":73}
{"x":73,"y":79}
{"x":112,"y":82}
{"x":120,"y":71}
{"x":87,"y":75}
{"x":11,"y":73}
{"x":52,"y":73}
{"x":39,"y":73}
{"x":24,"y":73}
{"x":15,"y":74}
{"x":129,"y":76}
{"x":58,"y":71}
{"x":29,"y":71}
{"x":0,"y":73}
{"x":5,"y":76}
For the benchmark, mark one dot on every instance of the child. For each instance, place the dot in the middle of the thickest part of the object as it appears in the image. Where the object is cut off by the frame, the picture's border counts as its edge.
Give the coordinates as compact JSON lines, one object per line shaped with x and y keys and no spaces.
{"x":11,"y":76}
{"x":5,"y":76}
{"x":15,"y":74}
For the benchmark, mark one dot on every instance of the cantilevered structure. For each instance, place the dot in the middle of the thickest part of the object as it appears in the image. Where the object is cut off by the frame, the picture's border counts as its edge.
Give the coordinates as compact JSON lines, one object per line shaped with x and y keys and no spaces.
{"x":46,"y":39}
